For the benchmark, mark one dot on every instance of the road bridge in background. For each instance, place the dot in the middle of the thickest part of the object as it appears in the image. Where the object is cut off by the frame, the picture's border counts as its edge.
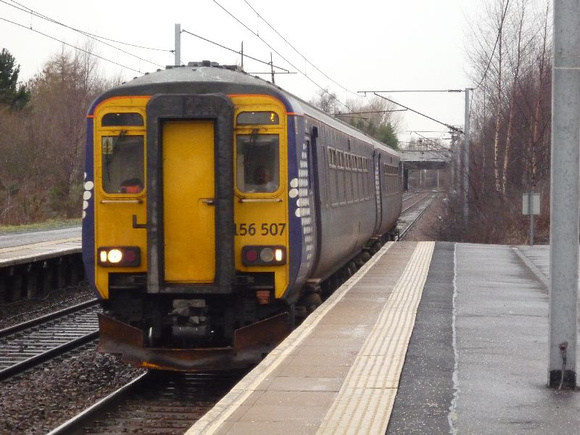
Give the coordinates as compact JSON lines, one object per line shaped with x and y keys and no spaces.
{"x":432,"y":158}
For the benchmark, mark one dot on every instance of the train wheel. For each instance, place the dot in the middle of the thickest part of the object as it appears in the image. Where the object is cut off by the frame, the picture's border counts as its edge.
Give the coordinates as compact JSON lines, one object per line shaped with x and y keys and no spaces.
{"x":292,"y":316}
{"x":312,"y":301}
{"x":364,"y":257}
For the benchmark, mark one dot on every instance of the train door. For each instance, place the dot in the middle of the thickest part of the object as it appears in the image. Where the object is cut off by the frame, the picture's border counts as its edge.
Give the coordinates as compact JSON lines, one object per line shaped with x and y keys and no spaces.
{"x":188,"y":201}
{"x":190,"y":194}
{"x":314,"y":194}
{"x":378,"y":191}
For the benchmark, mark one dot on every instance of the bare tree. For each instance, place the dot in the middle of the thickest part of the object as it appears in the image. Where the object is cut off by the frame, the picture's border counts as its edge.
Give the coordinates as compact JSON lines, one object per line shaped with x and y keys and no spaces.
{"x":376,"y":117}
{"x":510,"y":64}
{"x":62,"y":94}
{"x":326,"y":101}
{"x":42,"y":146}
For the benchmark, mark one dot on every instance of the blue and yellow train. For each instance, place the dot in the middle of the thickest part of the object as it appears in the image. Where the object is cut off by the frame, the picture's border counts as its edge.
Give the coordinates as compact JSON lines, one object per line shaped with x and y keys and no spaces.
{"x":216,"y":207}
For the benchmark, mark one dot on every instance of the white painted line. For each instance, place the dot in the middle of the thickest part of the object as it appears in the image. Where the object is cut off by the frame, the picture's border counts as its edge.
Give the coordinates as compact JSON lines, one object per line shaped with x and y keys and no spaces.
{"x":452,"y":416}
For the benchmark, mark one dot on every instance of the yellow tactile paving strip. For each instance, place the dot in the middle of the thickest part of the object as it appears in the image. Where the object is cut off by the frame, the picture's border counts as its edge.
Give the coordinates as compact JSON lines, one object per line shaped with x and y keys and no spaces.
{"x":366,"y":398}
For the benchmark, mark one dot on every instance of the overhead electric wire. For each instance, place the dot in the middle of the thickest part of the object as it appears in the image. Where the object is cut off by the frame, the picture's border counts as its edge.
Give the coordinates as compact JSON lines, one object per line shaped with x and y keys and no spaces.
{"x":70,"y":45}
{"x":422,"y":91}
{"x":232,"y":50}
{"x":370,"y":111}
{"x":296,"y":50}
{"x":45,"y":17}
{"x":275,"y":51}
{"x":98,"y":38}
{"x":432,"y":144}
{"x":421,"y":114}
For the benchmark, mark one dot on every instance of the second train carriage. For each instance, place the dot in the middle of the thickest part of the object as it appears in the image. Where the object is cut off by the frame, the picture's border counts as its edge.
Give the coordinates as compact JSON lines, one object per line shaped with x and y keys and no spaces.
{"x":214,"y":201}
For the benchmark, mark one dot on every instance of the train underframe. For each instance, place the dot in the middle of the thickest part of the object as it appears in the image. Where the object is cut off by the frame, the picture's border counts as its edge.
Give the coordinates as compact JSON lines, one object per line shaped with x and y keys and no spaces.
{"x":210,"y":332}
{"x":176,"y":331}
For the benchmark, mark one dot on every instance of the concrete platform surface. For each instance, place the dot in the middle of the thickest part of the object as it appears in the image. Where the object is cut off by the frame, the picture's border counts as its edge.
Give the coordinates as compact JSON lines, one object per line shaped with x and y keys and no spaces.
{"x":462,"y":351}
{"x":22,"y":248}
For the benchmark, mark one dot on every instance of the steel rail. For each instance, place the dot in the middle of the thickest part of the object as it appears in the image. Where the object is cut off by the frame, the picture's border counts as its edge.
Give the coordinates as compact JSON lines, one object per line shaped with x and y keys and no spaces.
{"x":42,"y":340}
{"x":429,"y":201}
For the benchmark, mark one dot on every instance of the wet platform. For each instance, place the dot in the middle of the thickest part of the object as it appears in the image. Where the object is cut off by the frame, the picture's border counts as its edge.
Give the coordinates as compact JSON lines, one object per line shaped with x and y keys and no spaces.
{"x":27,"y":248}
{"x":425,"y":339}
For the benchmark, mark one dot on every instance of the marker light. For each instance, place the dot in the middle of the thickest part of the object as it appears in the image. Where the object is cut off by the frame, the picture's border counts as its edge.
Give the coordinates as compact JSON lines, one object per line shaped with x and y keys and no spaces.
{"x":114,"y":256}
{"x":278,"y":255}
{"x":119,"y":256}
{"x":263,"y":255}
{"x":267,"y":255}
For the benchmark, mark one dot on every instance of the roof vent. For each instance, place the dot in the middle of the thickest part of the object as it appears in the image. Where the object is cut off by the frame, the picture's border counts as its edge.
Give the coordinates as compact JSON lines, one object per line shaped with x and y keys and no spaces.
{"x":203,"y":63}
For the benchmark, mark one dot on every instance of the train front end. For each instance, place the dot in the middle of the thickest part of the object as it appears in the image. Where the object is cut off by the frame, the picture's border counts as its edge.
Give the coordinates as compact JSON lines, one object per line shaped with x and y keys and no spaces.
{"x":186,"y":228}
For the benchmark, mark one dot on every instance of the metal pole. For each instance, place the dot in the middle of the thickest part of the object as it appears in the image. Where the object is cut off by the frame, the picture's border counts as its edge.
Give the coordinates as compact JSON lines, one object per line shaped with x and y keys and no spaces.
{"x":454,"y":164}
{"x":466,"y":160}
{"x":532,"y":211}
{"x":272,"y":68}
{"x":177,"y":44}
{"x":564,"y":227}
{"x":242,"y":54}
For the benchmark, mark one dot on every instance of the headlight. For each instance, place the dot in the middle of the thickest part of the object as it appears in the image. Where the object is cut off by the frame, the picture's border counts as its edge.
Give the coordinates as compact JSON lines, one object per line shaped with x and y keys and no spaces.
{"x":119,"y":256}
{"x":263,"y":255}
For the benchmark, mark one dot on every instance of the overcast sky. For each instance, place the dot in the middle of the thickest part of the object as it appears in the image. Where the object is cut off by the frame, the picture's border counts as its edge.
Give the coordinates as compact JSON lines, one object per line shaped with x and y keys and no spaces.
{"x":344,"y":46}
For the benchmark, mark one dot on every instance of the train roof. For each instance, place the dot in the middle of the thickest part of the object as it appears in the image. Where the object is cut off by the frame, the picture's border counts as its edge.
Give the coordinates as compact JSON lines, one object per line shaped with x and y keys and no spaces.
{"x":210,"y":78}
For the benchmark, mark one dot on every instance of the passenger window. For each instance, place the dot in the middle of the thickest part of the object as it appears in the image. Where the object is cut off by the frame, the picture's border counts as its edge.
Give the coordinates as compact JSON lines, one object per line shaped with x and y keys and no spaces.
{"x":123,"y":163}
{"x":258,"y":167}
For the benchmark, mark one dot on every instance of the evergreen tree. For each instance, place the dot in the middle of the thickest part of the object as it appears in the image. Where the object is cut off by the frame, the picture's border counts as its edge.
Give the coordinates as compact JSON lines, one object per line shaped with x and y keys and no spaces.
{"x":11,"y":94}
{"x":386,"y":134}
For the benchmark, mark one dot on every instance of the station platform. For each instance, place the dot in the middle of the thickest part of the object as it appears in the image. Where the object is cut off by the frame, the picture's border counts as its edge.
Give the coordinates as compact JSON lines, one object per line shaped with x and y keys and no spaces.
{"x":30,"y":247}
{"x":426,"y":338}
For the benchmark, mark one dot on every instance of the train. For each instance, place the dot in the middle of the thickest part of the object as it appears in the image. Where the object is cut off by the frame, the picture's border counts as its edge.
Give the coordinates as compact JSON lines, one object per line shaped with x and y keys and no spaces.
{"x":217,"y":207}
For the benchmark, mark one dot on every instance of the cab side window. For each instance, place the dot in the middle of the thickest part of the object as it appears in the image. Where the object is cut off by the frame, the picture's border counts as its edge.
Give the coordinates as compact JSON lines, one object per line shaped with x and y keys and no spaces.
{"x":123,"y":163}
{"x":257,"y":160}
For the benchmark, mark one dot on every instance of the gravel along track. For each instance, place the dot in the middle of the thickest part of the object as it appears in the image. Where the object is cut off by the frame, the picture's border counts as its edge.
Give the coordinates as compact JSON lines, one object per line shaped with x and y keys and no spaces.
{"x":43,"y":398}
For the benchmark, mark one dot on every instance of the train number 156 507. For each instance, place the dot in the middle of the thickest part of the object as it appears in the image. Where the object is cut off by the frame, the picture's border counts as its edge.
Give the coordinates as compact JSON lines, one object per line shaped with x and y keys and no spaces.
{"x":264,"y":229}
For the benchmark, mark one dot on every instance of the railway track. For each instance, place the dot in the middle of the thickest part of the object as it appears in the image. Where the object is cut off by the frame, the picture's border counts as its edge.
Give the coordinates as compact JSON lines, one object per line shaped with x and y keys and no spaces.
{"x":413,"y":200}
{"x":414,"y":206}
{"x":154,"y":403}
{"x":28,"y":344}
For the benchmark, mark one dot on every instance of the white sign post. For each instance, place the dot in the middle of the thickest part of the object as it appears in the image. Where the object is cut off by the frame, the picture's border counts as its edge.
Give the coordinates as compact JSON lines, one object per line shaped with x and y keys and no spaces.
{"x":531,"y":207}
